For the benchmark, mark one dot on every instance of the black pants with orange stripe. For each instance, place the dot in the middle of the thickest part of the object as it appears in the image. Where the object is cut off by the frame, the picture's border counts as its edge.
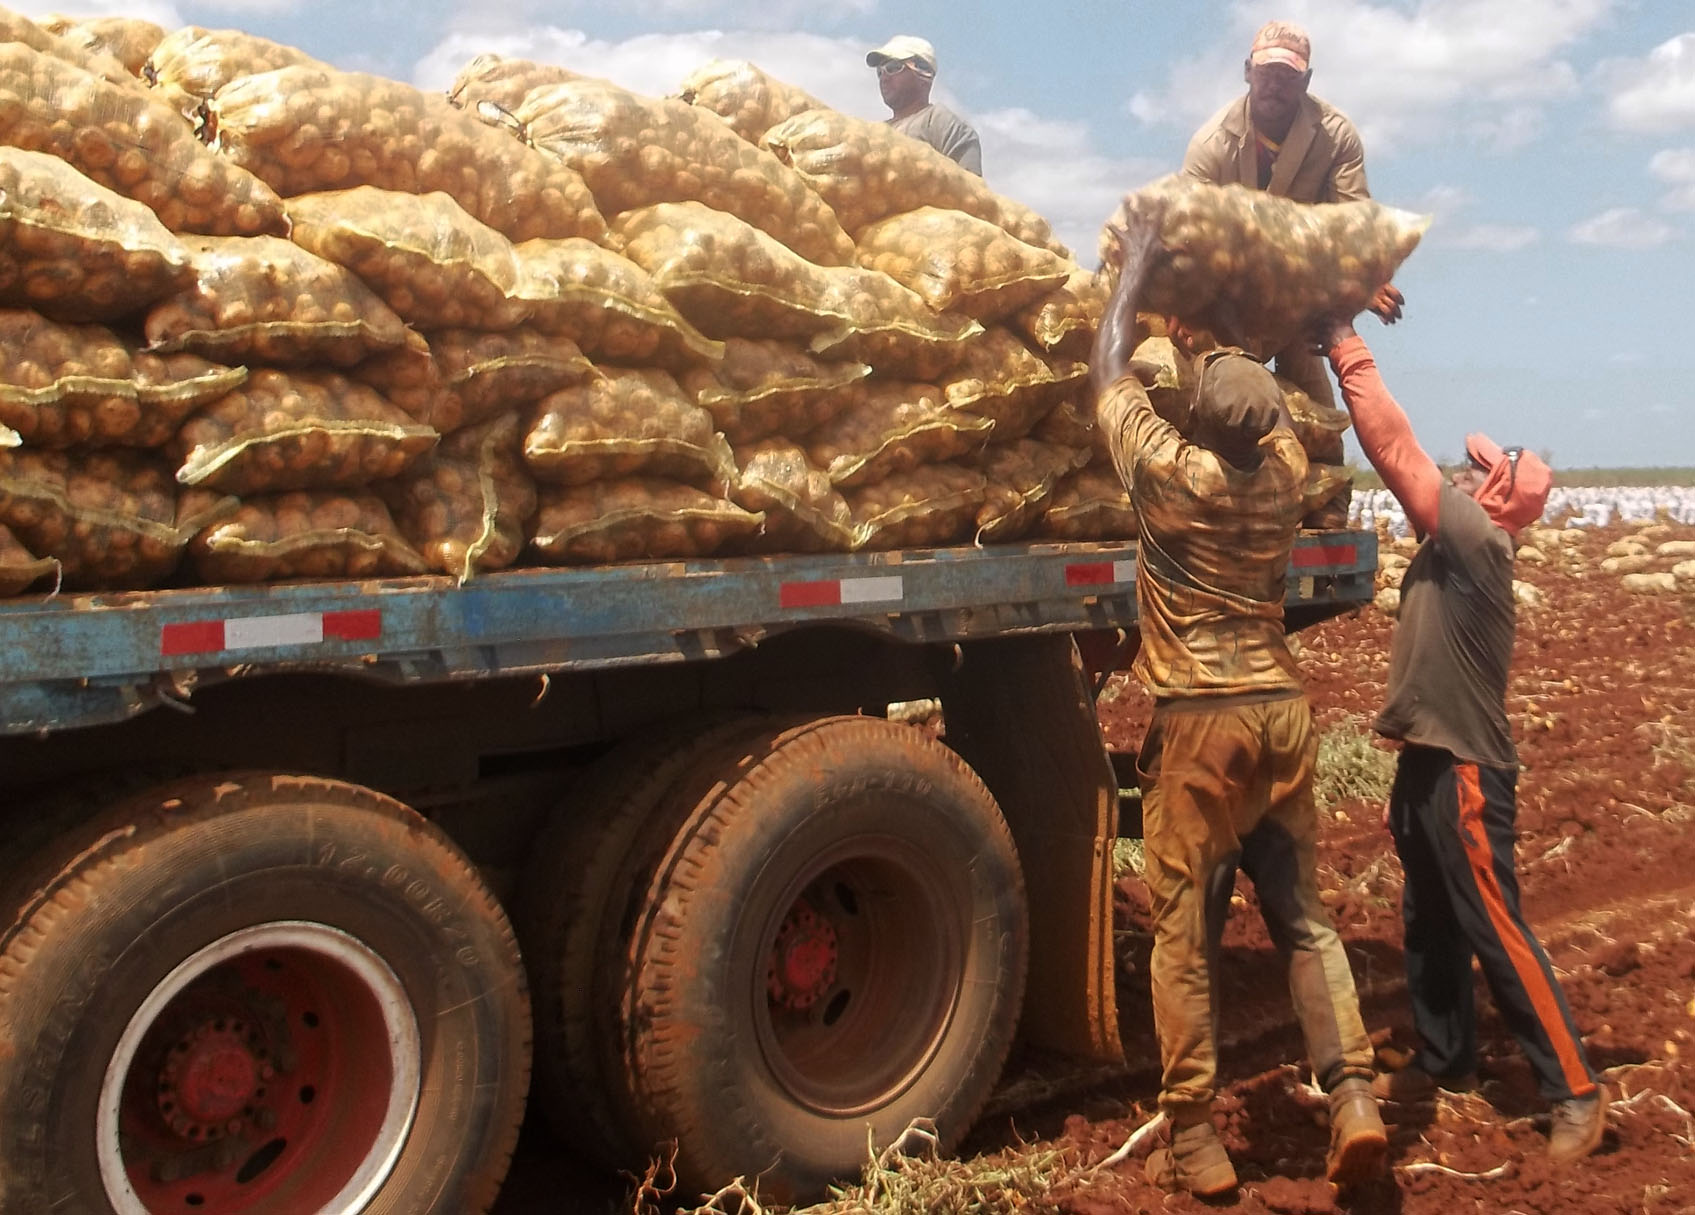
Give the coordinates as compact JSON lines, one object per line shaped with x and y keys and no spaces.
{"x":1453,"y":824}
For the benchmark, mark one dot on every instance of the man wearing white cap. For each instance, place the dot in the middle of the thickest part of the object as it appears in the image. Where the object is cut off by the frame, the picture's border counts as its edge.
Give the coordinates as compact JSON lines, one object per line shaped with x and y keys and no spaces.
{"x":1279,"y":138}
{"x":906,"y":68}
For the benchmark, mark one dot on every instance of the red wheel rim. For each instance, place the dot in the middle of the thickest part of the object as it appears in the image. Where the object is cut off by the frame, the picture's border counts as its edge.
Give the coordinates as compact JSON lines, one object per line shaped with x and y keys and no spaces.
{"x":275,"y":1071}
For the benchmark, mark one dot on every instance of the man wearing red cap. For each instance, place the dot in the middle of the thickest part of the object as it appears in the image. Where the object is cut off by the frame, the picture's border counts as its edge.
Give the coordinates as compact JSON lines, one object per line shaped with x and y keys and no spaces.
{"x":906,"y":70}
{"x":1455,"y":794}
{"x":1279,"y":138}
{"x":1227,"y":765}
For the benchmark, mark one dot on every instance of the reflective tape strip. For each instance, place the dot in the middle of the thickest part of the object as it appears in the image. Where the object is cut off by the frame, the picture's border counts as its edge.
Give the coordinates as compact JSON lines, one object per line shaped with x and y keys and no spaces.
{"x":1100,"y":573}
{"x":835,"y":592}
{"x":270,"y":632}
{"x":1307,"y":556}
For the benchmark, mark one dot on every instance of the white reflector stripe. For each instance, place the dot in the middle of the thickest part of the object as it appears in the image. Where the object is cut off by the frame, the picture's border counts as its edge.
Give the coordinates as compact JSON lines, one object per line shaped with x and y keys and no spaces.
{"x":872,"y":590}
{"x":255,"y":632}
{"x":1123,"y":571}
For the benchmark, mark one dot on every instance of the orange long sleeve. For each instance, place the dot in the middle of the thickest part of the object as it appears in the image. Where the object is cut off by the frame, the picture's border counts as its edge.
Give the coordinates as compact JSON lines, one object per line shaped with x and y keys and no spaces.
{"x":1386,"y":435}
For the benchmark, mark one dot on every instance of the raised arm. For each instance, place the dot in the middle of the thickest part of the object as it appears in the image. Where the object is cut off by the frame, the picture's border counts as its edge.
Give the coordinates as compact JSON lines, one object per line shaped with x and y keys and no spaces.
{"x":1115,"y":340}
{"x":1384,"y":432}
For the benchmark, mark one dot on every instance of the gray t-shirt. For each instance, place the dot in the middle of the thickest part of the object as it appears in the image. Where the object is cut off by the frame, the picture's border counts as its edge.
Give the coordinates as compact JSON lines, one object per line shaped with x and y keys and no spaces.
{"x":945,"y":131}
{"x":1448,"y":663}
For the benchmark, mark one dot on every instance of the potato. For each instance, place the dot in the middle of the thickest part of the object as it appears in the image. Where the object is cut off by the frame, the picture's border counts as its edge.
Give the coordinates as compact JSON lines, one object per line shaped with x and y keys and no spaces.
{"x":1072,"y":424}
{"x":868,"y":171}
{"x":1004,"y":381}
{"x":124,"y":139}
{"x":635,"y":519}
{"x":918,"y":508}
{"x":188,"y":66}
{"x":748,"y":99}
{"x":1089,"y":505}
{"x":770,"y":388}
{"x":304,"y":535}
{"x":493,"y":372}
{"x":889,"y":426}
{"x":410,"y":378}
{"x":607,"y":304}
{"x":20,"y":568}
{"x":636,"y":151}
{"x":435,"y":265}
{"x":627,"y":423}
{"x":297,"y":430}
{"x":1064,"y":321}
{"x":464,"y":508}
{"x":129,"y":40}
{"x":804,"y":513}
{"x":270,"y":300}
{"x":309,"y":129}
{"x":958,"y":262}
{"x":1021,"y":477}
{"x":503,"y":83}
{"x":14,"y":27}
{"x":1326,"y":496}
{"x":1256,"y":270}
{"x":108,"y":518}
{"x":888,"y":327}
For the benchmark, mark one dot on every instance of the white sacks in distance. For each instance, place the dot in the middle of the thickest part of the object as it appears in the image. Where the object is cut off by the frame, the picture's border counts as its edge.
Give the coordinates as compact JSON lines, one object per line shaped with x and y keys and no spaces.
{"x":1256,"y":269}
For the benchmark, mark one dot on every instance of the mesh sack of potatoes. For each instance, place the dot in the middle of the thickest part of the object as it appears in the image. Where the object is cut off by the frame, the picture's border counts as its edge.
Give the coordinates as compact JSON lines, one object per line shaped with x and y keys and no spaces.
{"x":1021,"y":478}
{"x":1318,"y":427}
{"x":129,"y":40}
{"x":635,"y":519}
{"x":1071,"y":424}
{"x":435,"y":265}
{"x":409,"y":377}
{"x":307,"y":129}
{"x":891,"y":426}
{"x":189,"y":65}
{"x":868,"y":171}
{"x":626,"y":422}
{"x":108,"y":517}
{"x":502,"y":82}
{"x":83,"y":385}
{"x":1169,"y":376}
{"x":304,"y":534}
{"x":888,"y":327}
{"x":1088,"y":505}
{"x":297,"y":430}
{"x":77,"y":251}
{"x":958,"y":262}
{"x":770,"y":388}
{"x":270,"y":300}
{"x":464,"y":508}
{"x":1326,"y":497}
{"x":608,"y":305}
{"x":21,"y":569}
{"x":804,"y":512}
{"x":16,"y":28}
{"x":726,"y":276}
{"x":1256,"y":269}
{"x":493,"y":372}
{"x":131,"y":143}
{"x":1003,"y":380}
{"x":750,"y":100}
{"x":1064,"y":321}
{"x":919,"y":508}
{"x":636,"y":151}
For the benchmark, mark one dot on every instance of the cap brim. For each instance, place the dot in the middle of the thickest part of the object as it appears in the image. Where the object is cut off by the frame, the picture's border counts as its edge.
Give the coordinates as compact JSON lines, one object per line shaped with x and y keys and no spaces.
{"x":876,"y":59}
{"x":1278,"y":54}
{"x":1484,"y":450}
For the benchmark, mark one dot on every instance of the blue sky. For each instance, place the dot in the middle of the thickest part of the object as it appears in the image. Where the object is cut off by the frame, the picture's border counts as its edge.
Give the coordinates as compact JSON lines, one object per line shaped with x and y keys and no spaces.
{"x":1552,"y":140}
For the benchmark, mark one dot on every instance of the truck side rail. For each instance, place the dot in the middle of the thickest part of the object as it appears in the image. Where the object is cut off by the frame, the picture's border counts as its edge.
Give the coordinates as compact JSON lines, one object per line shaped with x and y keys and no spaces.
{"x":78,"y":660}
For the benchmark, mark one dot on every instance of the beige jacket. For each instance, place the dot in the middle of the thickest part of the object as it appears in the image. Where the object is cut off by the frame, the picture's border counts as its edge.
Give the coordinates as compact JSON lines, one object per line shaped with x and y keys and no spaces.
{"x":1322,"y":159}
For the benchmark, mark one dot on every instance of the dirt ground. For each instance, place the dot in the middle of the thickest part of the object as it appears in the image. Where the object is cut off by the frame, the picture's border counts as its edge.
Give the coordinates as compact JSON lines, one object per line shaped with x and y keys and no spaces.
{"x":1603,"y":705}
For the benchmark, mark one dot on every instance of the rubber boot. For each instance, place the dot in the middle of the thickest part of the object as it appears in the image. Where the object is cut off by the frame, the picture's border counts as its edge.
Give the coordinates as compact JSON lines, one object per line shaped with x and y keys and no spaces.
{"x":1359,"y":1146}
{"x":1196,"y":1162}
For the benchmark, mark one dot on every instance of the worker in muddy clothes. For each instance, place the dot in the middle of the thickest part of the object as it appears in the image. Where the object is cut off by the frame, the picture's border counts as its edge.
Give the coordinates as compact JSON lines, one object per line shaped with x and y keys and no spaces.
{"x":1279,"y":138}
{"x":1454,"y":801}
{"x":906,"y":71}
{"x":1227,"y":765}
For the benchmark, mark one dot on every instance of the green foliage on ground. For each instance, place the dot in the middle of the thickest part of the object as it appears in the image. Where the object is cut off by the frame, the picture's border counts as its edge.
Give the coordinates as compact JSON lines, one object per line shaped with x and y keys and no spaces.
{"x":1350,"y":765}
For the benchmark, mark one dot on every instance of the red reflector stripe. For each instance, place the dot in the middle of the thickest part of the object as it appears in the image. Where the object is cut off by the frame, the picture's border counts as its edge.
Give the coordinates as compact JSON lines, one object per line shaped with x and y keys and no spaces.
{"x":1308,"y":556}
{"x":354,"y":626}
{"x":1098,"y":573}
{"x":811,"y":594}
{"x":196,"y":637}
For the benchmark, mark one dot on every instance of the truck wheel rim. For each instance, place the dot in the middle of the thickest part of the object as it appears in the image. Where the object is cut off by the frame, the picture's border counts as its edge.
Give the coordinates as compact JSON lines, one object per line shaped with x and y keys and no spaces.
{"x":861,"y":972}
{"x":277,"y":1069}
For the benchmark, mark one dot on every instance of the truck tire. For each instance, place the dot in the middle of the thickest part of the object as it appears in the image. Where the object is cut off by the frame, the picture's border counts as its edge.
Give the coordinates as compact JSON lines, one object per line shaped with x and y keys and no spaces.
{"x":255,"y":994}
{"x":833,"y":942}
{"x":572,"y":922}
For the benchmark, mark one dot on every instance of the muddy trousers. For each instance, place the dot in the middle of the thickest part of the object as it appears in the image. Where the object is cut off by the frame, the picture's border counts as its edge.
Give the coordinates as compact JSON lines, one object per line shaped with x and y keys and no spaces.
{"x":1453,"y":828}
{"x":1222,"y":788}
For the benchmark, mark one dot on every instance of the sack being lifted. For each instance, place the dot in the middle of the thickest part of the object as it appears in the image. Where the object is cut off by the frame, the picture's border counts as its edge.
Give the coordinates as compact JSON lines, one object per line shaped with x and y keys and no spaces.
{"x":1255,"y":269}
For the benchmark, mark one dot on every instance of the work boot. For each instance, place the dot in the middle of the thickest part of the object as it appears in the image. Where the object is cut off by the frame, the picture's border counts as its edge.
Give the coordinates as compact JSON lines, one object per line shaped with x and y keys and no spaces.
{"x":1578,"y":1124}
{"x":1196,"y":1161}
{"x":1413,"y":1084}
{"x":1359,"y":1146}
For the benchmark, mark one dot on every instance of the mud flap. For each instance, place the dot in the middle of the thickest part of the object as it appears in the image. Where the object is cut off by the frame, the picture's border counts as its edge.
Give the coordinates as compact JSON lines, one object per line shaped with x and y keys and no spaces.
{"x":1021,"y":712}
